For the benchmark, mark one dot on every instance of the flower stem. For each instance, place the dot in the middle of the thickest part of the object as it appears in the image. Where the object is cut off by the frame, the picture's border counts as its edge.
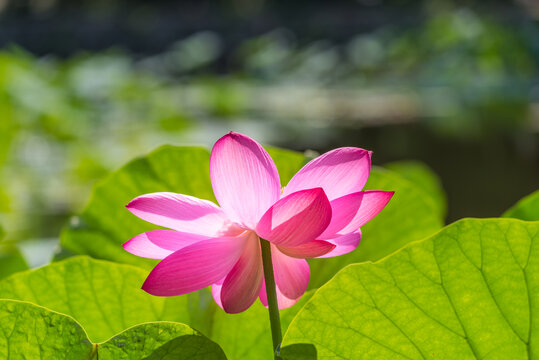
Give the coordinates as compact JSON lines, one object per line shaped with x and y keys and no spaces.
{"x":271,"y":294}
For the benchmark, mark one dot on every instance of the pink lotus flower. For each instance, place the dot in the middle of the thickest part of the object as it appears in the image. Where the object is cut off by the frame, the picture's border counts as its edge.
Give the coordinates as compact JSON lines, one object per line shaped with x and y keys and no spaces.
{"x":318,"y":214}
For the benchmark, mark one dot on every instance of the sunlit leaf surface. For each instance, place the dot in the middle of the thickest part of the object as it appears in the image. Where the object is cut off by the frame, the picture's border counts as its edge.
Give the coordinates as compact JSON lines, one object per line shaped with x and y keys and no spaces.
{"x":469,"y":292}
{"x":33,"y":332}
{"x":104,"y":297}
{"x":28,"y":331}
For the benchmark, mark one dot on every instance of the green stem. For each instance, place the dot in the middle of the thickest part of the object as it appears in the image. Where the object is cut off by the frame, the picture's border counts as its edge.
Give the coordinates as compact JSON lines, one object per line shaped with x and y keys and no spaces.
{"x":271,"y":294}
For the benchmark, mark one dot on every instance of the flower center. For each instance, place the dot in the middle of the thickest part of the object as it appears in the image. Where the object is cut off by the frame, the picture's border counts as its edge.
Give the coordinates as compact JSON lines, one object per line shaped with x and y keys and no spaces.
{"x":231,"y":228}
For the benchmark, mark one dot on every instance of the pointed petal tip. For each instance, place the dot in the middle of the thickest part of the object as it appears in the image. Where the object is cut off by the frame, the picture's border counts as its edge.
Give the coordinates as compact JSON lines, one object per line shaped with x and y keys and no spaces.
{"x":152,"y":291}
{"x":136,"y":200}
{"x":234,"y":135}
{"x":147,"y":288}
{"x":131,"y":206}
{"x":151,"y":287}
{"x":386,"y":194}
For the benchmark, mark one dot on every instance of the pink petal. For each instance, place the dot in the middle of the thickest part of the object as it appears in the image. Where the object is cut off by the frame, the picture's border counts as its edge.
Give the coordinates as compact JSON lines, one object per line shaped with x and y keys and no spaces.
{"x":216,"y":292}
{"x":244,"y":178}
{"x":291,"y":274}
{"x":296,"y":219}
{"x":371,"y":204}
{"x":242,"y":284}
{"x":312,"y":249}
{"x":179,"y":212}
{"x":352,"y":211}
{"x":339,"y":172}
{"x":282,"y":301}
{"x":344,"y":244}
{"x":194,"y":267}
{"x":158,"y":244}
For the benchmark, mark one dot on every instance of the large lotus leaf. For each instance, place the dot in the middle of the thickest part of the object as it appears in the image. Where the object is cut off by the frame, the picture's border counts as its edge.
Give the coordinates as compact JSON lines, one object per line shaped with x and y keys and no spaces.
{"x":469,"y":292}
{"x":28,"y":331}
{"x":105,"y":223}
{"x":33,"y":332}
{"x":11,"y":259}
{"x":160,"y":341}
{"x":525,"y":209}
{"x":105,"y":298}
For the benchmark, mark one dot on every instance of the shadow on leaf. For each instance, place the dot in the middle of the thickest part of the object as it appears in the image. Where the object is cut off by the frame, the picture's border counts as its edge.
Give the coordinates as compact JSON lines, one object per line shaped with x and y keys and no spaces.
{"x":298,"y":352}
{"x":188,"y":347}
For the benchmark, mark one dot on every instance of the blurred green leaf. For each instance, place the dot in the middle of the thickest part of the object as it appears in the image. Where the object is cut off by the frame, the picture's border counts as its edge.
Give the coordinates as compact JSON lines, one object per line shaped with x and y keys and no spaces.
{"x":425,"y":179}
{"x":11,"y":259}
{"x":105,"y":224}
{"x":469,"y":292}
{"x":526,"y":209}
{"x":288,"y":162}
{"x":34,"y":332}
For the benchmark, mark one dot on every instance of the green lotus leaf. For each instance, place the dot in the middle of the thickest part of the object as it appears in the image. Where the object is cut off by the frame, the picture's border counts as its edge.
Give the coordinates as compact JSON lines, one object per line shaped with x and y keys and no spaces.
{"x":525,"y":209}
{"x":28,"y":331}
{"x":470,"y":291}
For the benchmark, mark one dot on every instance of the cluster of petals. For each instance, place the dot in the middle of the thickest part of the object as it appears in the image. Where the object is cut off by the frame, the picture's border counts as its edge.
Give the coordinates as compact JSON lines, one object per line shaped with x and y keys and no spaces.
{"x":318,"y":214}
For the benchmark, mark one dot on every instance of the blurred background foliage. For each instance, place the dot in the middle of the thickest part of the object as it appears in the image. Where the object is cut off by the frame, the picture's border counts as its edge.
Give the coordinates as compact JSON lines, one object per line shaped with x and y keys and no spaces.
{"x":87,"y":85}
